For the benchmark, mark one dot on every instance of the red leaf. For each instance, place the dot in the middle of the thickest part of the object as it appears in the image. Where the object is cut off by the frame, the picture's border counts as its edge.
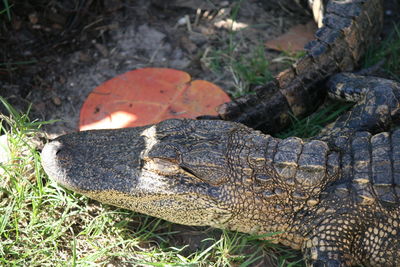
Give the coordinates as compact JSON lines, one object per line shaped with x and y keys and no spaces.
{"x":146,"y":96}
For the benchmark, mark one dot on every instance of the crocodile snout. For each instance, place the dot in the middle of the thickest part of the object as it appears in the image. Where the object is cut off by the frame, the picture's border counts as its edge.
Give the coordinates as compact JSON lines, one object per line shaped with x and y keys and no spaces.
{"x":50,"y":151}
{"x":92,"y":161}
{"x":49,"y":156}
{"x":55,"y":161}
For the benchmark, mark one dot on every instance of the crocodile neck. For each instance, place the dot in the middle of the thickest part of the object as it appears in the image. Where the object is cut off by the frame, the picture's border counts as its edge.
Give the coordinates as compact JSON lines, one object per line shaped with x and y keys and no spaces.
{"x":282,"y":182}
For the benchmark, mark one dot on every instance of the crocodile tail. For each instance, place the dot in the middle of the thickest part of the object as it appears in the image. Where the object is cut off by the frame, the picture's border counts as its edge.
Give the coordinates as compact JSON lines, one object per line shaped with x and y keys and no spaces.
{"x":348,"y":28}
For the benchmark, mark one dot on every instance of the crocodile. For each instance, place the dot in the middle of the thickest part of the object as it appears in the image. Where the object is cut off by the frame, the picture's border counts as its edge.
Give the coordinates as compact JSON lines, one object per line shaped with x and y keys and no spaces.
{"x":336,"y":196}
{"x":348,"y":28}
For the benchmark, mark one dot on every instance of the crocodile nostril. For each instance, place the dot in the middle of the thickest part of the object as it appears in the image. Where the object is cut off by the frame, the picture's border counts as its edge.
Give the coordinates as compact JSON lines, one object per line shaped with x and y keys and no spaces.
{"x":51,"y":150}
{"x":49,"y":157}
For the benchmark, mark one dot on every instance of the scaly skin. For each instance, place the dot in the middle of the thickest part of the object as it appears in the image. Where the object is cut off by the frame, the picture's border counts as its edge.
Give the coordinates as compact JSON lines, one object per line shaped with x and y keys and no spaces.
{"x":349,"y":27}
{"x":336,"y":197}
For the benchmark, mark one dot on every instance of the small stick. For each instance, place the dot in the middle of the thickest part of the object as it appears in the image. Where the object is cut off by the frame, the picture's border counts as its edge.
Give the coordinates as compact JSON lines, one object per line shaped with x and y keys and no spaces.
{"x":189,"y":26}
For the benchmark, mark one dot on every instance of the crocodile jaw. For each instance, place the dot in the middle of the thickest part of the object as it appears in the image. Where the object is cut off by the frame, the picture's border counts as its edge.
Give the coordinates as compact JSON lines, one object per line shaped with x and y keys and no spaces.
{"x":130,"y":182}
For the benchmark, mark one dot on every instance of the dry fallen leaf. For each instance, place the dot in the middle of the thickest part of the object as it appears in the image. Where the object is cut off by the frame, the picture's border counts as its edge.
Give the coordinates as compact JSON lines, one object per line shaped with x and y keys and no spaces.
{"x":294,"y":39}
{"x":146,"y":96}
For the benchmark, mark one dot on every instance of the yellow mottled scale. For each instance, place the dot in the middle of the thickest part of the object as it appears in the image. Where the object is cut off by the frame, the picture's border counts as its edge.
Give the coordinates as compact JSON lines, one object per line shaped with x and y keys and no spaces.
{"x":286,"y":158}
{"x":312,"y":164}
{"x":382,"y":175}
{"x":361,"y":154}
{"x":395,"y":141}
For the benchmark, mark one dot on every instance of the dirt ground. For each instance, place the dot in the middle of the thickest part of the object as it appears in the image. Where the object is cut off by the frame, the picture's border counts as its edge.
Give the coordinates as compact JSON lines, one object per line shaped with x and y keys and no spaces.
{"x":55,"y":54}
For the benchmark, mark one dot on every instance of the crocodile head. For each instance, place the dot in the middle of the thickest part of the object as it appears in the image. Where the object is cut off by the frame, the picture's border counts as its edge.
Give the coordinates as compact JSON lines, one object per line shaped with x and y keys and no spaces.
{"x":185,"y":171}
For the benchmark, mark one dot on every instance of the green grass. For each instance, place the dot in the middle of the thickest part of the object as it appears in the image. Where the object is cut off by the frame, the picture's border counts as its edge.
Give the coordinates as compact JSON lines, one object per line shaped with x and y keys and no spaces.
{"x":7,"y":9}
{"x":311,"y":125}
{"x":13,"y":66}
{"x":252,"y":70}
{"x":245,"y":70}
{"x":42,"y":224}
{"x":389,"y":50}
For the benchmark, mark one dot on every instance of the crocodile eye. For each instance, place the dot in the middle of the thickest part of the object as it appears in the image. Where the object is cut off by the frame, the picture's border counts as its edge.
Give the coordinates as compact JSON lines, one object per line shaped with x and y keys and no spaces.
{"x":207,"y":165}
{"x":164,"y":152}
{"x":161,"y":166}
{"x":188,"y":170}
{"x":208,"y":174}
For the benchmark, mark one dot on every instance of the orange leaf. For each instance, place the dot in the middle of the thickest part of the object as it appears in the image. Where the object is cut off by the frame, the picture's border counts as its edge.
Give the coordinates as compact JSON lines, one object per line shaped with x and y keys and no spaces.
{"x":295,"y":39}
{"x":146,"y":96}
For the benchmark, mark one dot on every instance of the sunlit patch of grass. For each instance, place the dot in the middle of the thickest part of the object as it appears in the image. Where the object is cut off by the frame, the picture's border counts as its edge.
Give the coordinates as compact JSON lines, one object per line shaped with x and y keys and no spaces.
{"x":251,"y":70}
{"x":289,"y":57}
{"x":245,"y":70}
{"x":232,"y":249}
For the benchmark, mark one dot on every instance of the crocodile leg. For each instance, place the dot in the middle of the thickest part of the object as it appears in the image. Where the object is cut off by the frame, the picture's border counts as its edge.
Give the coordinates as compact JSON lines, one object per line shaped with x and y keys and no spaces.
{"x":359,"y":220}
{"x":377,"y":108}
{"x":346,"y":238}
{"x":370,"y":163}
{"x":329,"y":243}
{"x":340,"y":237}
